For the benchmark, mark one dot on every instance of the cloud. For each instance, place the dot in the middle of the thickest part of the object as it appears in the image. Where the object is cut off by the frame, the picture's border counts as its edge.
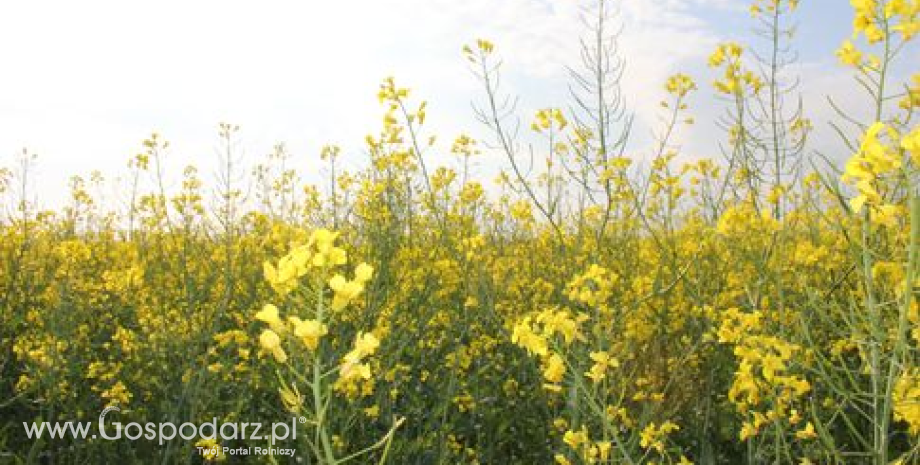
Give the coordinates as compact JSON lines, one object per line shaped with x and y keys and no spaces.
{"x":87,"y":81}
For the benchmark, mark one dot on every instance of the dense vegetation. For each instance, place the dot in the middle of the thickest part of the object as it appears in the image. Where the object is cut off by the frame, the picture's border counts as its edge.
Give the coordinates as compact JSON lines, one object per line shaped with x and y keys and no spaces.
{"x":587,"y":307}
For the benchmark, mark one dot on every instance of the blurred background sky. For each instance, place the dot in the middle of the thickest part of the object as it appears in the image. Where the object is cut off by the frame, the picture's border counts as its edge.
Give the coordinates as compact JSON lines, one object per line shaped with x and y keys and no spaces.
{"x":83,"y":83}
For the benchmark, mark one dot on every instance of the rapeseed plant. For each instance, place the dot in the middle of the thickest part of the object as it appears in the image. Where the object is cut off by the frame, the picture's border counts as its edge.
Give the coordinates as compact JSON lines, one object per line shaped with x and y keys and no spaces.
{"x":591,"y":306}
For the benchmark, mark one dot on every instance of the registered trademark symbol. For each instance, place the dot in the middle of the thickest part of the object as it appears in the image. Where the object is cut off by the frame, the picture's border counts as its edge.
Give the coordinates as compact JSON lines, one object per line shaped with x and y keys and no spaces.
{"x":303,"y":420}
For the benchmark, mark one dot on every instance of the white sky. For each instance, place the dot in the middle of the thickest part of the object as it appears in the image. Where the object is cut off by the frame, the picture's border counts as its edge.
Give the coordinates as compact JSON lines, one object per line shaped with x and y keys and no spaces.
{"x":83,"y":83}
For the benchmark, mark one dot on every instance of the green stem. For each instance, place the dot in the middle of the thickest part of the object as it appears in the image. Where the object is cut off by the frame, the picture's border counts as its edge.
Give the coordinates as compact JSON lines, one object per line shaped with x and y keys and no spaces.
{"x":317,"y":385}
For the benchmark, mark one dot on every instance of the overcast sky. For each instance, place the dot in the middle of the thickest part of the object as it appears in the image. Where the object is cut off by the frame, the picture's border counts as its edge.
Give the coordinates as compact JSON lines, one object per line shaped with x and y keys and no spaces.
{"x":83,"y":83}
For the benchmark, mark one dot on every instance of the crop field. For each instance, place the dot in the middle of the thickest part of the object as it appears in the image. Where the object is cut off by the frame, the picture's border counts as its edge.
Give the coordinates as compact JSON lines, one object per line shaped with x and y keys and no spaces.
{"x":588,"y":304}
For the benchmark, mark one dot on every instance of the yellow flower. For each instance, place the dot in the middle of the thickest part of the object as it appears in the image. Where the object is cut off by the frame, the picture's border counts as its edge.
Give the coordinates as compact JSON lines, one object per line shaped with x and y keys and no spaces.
{"x":864,"y":169}
{"x":897,"y":7}
{"x":652,"y":436}
{"x":269,"y":315}
{"x":363,"y":273}
{"x":603,"y":449}
{"x":602,"y":361}
{"x":310,"y":332}
{"x":554,"y":369}
{"x":806,"y":433}
{"x":747,"y":431}
{"x":323,"y":239}
{"x":352,"y":368}
{"x":680,"y":85}
{"x":771,"y":364}
{"x":849,"y":54}
{"x":911,"y":143}
{"x":562,"y":322}
{"x":327,"y":254}
{"x":912,"y":99}
{"x":649,"y":438}
{"x":344,"y":290}
{"x":372,"y":412}
{"x":906,"y":398}
{"x":717,"y":57}
{"x":575,"y":439}
{"x":280,"y":280}
{"x":352,"y":371}
{"x":524,"y":336}
{"x":366,"y":344}
{"x":271,"y":343}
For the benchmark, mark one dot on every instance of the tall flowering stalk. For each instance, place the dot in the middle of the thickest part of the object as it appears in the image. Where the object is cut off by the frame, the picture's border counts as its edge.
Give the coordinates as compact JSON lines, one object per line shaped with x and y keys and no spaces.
{"x":308,"y":278}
